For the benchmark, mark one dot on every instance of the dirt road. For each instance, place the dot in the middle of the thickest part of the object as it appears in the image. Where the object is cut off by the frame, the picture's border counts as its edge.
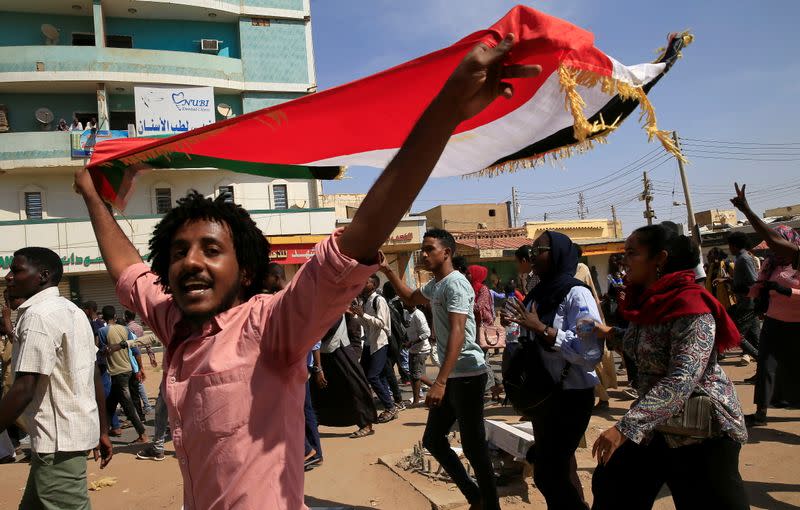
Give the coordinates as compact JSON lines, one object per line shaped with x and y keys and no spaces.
{"x":351,"y":476}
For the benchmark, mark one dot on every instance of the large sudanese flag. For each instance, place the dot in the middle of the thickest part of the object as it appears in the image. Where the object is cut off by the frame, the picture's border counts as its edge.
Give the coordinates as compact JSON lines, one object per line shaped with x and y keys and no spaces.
{"x":579,"y":98}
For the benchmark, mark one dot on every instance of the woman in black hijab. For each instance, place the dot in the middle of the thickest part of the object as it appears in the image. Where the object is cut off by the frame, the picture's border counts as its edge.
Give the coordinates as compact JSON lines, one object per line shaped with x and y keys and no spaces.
{"x":549,"y":317}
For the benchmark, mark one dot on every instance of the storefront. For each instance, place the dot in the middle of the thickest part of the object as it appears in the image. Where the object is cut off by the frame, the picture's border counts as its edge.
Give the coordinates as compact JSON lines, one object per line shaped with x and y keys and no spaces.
{"x":596,"y":253}
{"x":292,"y":251}
{"x":402,"y":247}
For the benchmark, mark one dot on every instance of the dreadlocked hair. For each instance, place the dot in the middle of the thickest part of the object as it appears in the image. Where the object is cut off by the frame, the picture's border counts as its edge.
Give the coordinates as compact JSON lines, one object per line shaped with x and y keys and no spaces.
{"x":252,"y":248}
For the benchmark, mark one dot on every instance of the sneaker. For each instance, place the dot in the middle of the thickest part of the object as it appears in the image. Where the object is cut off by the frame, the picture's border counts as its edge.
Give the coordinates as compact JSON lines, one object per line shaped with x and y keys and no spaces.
{"x":312,"y":462}
{"x":400,"y":406}
{"x":9,"y":459}
{"x":150,"y":453}
{"x":745,"y":360}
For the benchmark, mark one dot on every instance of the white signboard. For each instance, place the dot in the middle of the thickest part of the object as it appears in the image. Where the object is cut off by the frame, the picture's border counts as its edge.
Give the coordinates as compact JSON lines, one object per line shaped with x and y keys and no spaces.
{"x":167,"y":110}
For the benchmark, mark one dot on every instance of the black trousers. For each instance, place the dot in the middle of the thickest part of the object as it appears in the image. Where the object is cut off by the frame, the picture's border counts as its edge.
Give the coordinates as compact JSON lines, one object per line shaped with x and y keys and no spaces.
{"x":703,"y":475}
{"x":558,"y":427}
{"x":463,"y":402}
{"x":121,"y":394}
{"x":391,"y":380}
{"x":778,"y":355}
{"x":138,"y":404}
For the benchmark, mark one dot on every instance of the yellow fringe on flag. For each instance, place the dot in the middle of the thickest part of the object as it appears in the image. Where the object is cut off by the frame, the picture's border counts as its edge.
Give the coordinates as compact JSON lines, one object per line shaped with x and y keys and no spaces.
{"x":586,"y":133}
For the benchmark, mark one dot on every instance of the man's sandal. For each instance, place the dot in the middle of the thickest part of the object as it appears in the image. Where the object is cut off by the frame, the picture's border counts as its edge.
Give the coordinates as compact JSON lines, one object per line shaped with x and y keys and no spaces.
{"x":358,"y":434}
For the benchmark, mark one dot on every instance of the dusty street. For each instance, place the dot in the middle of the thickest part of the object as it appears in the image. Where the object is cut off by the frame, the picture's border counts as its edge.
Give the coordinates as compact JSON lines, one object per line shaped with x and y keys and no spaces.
{"x":351,"y":476}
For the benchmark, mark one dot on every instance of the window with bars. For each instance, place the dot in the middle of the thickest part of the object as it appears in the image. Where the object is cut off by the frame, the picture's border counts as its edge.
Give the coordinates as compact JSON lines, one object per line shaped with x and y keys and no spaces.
{"x":227,"y":192}
{"x":33,"y":205}
{"x":163,"y":200}
{"x":280,"y":199}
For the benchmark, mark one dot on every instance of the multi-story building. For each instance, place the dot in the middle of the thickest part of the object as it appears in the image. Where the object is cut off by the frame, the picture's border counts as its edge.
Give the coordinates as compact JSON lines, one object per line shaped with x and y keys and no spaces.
{"x":85,"y":58}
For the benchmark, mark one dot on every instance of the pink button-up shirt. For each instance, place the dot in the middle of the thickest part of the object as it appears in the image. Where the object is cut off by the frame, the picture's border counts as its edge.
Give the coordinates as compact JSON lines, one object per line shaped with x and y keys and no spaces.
{"x":235,"y":390}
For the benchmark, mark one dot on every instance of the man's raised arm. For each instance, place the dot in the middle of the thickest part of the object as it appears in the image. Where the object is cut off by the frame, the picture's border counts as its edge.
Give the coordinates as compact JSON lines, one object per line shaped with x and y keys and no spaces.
{"x":476,"y":83}
{"x":117,"y":250}
{"x":409,"y":296}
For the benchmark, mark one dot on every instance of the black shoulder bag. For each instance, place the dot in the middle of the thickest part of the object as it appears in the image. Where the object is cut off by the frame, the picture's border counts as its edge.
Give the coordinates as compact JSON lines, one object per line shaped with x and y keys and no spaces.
{"x":527,"y":382}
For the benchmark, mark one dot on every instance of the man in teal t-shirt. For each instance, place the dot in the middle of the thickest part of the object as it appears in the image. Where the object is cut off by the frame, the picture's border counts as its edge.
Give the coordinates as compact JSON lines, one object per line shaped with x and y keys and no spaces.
{"x":457,"y":392}
{"x":454,"y":295}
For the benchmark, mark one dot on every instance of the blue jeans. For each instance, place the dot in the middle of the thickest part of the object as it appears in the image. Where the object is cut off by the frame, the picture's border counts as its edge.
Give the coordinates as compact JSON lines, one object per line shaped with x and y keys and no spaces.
{"x":374,"y":363}
{"x":145,"y":400}
{"x":161,"y":422}
{"x":312,"y":427}
{"x":107,"y":390}
{"x":404,"y":360}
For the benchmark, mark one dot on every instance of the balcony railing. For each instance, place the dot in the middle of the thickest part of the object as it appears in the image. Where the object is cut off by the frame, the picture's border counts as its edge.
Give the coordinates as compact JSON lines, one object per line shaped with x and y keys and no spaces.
{"x":90,"y":63}
{"x":35,"y":148}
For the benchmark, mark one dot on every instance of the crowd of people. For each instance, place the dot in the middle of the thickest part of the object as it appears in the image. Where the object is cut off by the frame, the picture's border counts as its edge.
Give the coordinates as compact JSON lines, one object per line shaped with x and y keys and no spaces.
{"x":253,"y":363}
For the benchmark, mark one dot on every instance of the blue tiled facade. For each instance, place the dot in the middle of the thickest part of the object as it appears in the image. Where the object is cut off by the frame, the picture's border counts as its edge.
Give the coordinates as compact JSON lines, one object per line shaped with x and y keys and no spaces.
{"x":253,"y":101}
{"x":276,"y":53}
{"x":275,"y":4}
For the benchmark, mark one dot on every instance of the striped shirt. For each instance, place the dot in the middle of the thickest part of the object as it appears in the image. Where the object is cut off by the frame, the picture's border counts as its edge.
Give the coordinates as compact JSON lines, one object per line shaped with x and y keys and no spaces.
{"x":55,"y":340}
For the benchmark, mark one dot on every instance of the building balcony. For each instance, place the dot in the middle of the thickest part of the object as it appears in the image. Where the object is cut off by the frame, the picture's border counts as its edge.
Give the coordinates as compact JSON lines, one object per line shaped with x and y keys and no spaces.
{"x":73,"y":238}
{"x":35,"y":149}
{"x":93,"y":64}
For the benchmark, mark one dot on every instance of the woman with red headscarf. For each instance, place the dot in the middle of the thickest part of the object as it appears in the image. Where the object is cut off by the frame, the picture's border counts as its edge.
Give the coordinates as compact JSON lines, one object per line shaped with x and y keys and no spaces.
{"x":686,"y":429}
{"x":483,"y":308}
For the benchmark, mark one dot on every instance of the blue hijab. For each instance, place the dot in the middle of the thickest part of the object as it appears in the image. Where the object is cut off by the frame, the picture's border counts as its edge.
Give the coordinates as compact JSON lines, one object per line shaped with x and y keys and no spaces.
{"x":554,"y":286}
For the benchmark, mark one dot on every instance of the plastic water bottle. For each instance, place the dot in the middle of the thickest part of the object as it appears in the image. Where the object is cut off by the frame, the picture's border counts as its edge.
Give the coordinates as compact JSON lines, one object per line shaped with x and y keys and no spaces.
{"x":584,"y":325}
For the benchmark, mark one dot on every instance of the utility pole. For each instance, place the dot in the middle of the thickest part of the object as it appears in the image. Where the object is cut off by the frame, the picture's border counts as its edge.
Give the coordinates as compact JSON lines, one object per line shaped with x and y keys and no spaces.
{"x":582,"y":210}
{"x":649,"y":214}
{"x":614,"y":219}
{"x":514,"y":203}
{"x":687,"y":197}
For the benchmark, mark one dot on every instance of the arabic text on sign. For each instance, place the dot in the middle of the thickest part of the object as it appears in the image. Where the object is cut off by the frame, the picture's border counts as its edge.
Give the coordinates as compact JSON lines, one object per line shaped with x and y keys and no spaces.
{"x":402,"y":238}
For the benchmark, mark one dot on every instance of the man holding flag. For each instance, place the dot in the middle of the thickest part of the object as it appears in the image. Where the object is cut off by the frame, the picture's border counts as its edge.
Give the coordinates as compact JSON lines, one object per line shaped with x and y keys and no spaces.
{"x":235,"y":360}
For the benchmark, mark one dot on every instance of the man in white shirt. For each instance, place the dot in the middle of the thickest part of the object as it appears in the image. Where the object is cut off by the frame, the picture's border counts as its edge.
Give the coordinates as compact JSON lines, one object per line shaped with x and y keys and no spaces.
{"x":374,"y":317}
{"x":419,"y":348}
{"x":57,"y":385}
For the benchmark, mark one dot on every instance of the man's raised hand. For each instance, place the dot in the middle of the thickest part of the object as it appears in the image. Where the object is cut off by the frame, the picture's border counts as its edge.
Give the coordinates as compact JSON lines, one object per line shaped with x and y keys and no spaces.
{"x":479,"y":78}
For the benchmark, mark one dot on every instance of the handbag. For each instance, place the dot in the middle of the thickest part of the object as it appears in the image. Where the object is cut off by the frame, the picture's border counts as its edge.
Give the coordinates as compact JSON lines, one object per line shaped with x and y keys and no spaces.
{"x":693,"y":421}
{"x":491,"y":337}
{"x":527,"y":382}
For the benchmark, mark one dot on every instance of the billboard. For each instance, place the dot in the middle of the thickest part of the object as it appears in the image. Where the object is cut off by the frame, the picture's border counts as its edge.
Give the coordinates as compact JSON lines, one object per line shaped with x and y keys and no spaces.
{"x":82,"y":142}
{"x":166,"y":110}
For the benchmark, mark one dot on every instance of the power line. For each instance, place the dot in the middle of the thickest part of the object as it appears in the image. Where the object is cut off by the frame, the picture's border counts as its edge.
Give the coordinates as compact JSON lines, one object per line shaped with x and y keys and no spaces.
{"x":706,"y":140}
{"x":698,"y":156}
{"x":608,"y":178}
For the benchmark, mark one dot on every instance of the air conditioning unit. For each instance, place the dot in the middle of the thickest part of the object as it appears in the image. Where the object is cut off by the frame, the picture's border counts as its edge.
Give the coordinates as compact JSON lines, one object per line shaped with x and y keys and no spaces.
{"x":209,"y":45}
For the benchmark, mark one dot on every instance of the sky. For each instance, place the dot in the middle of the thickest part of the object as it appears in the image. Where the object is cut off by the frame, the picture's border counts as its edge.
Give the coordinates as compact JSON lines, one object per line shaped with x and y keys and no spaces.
{"x":732,"y":99}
